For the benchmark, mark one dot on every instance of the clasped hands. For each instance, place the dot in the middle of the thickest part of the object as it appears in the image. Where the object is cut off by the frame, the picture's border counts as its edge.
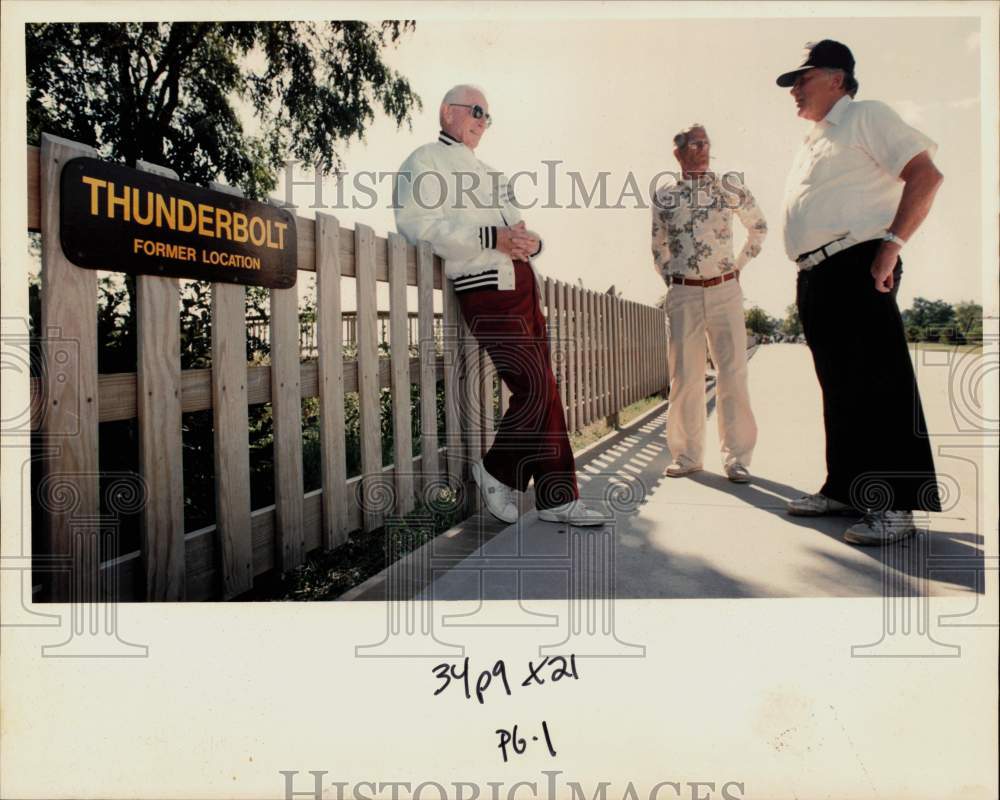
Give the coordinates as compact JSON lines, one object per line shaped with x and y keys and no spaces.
{"x":517,"y":242}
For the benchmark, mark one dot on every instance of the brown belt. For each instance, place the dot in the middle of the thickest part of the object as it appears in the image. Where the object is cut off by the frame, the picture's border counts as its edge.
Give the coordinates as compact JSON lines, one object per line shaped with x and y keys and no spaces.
{"x":704,"y":283}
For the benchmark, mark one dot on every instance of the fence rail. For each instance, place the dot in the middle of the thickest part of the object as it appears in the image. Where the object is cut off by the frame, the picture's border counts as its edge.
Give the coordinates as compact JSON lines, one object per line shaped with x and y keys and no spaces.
{"x":607,"y":353}
{"x":259,"y":328}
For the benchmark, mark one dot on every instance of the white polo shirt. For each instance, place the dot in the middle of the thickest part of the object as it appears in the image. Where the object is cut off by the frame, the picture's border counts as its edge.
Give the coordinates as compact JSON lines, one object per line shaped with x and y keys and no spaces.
{"x":845,"y":178}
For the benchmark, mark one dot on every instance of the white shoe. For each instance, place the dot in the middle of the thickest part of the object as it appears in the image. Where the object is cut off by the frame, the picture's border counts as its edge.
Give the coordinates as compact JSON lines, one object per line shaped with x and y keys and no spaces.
{"x":816,"y":505}
{"x":677,"y":469}
{"x":881,"y":527}
{"x":572,"y":513}
{"x":497,"y":496}
{"x":737,"y":473}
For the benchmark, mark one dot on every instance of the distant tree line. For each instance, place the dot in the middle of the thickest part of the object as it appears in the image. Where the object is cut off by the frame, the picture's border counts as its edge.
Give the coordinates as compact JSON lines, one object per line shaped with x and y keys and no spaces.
{"x":925,"y":321}
{"x":938,"y":321}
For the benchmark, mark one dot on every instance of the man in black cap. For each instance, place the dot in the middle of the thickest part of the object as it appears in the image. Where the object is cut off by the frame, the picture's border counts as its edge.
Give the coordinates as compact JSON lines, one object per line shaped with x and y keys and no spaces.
{"x":860,"y":186}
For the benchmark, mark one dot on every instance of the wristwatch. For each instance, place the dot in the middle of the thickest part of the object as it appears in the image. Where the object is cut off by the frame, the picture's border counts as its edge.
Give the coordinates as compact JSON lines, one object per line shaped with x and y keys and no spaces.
{"x":889,"y":236}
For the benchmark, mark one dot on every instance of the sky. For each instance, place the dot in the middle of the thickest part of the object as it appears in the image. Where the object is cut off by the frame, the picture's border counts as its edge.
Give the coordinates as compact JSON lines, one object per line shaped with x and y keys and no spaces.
{"x":608,"y":95}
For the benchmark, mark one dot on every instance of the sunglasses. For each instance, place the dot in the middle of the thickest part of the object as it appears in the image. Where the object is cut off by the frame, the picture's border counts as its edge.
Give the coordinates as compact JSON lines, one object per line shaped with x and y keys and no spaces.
{"x":478,"y":112}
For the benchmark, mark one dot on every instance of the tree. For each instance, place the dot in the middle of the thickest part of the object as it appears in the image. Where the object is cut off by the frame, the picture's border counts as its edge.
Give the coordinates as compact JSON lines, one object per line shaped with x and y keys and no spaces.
{"x":759,"y":323}
{"x":928,"y":319}
{"x":172,"y":93}
{"x":792,"y":325}
{"x":179,"y":95}
{"x":969,"y":321}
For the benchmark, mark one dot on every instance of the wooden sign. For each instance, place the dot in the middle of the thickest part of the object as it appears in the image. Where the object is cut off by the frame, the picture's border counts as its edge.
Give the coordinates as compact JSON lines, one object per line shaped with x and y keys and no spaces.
{"x":115,"y":218}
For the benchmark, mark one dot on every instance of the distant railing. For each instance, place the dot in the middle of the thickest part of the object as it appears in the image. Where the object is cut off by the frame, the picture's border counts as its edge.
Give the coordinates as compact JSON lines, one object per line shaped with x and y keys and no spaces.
{"x":259,"y":328}
{"x":607,"y":353}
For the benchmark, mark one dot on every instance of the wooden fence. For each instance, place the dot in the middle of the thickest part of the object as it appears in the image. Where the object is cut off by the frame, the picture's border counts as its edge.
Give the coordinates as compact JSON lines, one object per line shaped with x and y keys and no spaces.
{"x":607,"y":353}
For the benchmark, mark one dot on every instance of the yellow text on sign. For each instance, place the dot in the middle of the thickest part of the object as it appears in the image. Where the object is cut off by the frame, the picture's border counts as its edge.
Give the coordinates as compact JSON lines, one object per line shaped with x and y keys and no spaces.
{"x":146,"y":207}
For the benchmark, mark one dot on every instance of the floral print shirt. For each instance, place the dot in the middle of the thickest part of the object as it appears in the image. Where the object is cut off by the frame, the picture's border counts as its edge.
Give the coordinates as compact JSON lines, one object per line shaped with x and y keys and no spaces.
{"x":693,"y":226}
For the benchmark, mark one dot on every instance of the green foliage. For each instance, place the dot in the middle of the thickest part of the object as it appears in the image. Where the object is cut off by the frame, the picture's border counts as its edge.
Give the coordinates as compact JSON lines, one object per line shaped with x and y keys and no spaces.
{"x":969,"y":321}
{"x":929,"y":320}
{"x":759,"y":323}
{"x":938,"y":321}
{"x":792,"y":325}
{"x":172,"y":93}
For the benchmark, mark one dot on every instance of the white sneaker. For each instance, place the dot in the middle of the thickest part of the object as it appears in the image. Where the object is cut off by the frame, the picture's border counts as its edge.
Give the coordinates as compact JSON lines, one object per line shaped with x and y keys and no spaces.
{"x":816,"y":505}
{"x":881,"y":527}
{"x":497,"y":496}
{"x":737,"y":473}
{"x":678,"y":469}
{"x":573,"y":513}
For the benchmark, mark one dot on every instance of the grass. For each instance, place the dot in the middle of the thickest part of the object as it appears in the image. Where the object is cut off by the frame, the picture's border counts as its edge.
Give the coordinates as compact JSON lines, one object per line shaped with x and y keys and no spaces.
{"x":327,"y":574}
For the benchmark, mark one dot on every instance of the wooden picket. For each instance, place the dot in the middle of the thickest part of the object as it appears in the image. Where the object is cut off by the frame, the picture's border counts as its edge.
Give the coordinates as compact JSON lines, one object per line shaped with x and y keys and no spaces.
{"x":428,"y":362}
{"x":369,"y":407}
{"x":161,"y":444}
{"x":286,"y":407}
{"x":569,"y":343}
{"x":69,"y":390}
{"x":333,"y":452}
{"x":457,"y":465}
{"x":402,"y":436}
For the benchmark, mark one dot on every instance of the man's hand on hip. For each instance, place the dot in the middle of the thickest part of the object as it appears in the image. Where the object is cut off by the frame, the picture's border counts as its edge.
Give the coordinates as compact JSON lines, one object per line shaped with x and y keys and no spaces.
{"x":883,"y":266}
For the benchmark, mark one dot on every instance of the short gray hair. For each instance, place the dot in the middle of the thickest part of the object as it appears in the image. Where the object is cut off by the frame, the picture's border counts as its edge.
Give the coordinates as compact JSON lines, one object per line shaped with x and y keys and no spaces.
{"x":456,"y":94}
{"x":681,"y":138}
{"x":848,"y":81}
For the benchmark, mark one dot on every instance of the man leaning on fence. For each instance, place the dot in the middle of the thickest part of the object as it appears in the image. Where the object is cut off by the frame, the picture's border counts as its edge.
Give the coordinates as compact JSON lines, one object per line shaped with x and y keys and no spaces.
{"x":860,"y":186}
{"x":693,"y":251}
{"x":448,"y":197}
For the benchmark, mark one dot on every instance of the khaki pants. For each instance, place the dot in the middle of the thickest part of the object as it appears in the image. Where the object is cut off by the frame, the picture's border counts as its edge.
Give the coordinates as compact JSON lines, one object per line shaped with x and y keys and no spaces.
{"x":693,"y":312}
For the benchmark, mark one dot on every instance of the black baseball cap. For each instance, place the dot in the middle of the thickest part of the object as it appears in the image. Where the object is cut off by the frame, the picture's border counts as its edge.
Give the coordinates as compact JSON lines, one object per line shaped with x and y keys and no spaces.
{"x":826,"y":53}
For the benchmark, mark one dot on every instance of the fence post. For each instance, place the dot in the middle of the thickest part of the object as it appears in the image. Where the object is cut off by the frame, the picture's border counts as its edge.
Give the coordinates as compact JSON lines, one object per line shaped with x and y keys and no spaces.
{"x":369,"y":393}
{"x":399,"y":349}
{"x":69,"y":381}
{"x":614,"y":360}
{"x":592,"y":373}
{"x":427,"y":348}
{"x":161,"y":443}
{"x":333,"y":453}
{"x":570,"y":338}
{"x":578,"y":363}
{"x":231,"y":431}
{"x":558,"y":329}
{"x":286,"y":409}
{"x":452,"y":348}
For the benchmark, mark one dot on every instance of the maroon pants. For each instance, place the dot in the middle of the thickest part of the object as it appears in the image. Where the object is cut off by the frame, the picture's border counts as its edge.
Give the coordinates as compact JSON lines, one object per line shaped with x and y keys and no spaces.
{"x":531,"y":442}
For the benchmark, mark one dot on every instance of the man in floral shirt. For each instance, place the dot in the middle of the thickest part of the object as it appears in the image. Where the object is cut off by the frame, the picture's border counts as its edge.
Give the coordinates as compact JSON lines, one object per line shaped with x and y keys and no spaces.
{"x":693,"y":252}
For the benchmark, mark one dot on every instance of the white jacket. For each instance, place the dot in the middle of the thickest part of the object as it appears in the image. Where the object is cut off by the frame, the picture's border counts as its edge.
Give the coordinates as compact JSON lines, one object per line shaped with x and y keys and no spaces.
{"x":448,"y":197}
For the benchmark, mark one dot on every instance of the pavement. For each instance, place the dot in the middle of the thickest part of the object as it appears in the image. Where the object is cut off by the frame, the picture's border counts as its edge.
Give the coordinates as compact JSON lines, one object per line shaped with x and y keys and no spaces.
{"x":702,"y":536}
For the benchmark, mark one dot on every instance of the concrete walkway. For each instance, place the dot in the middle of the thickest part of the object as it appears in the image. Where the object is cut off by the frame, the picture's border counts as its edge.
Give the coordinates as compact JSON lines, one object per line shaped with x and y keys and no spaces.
{"x":704,"y":537}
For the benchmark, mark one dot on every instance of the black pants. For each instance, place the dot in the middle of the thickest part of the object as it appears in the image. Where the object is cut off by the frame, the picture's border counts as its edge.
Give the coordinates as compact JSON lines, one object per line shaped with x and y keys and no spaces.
{"x":878,"y":455}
